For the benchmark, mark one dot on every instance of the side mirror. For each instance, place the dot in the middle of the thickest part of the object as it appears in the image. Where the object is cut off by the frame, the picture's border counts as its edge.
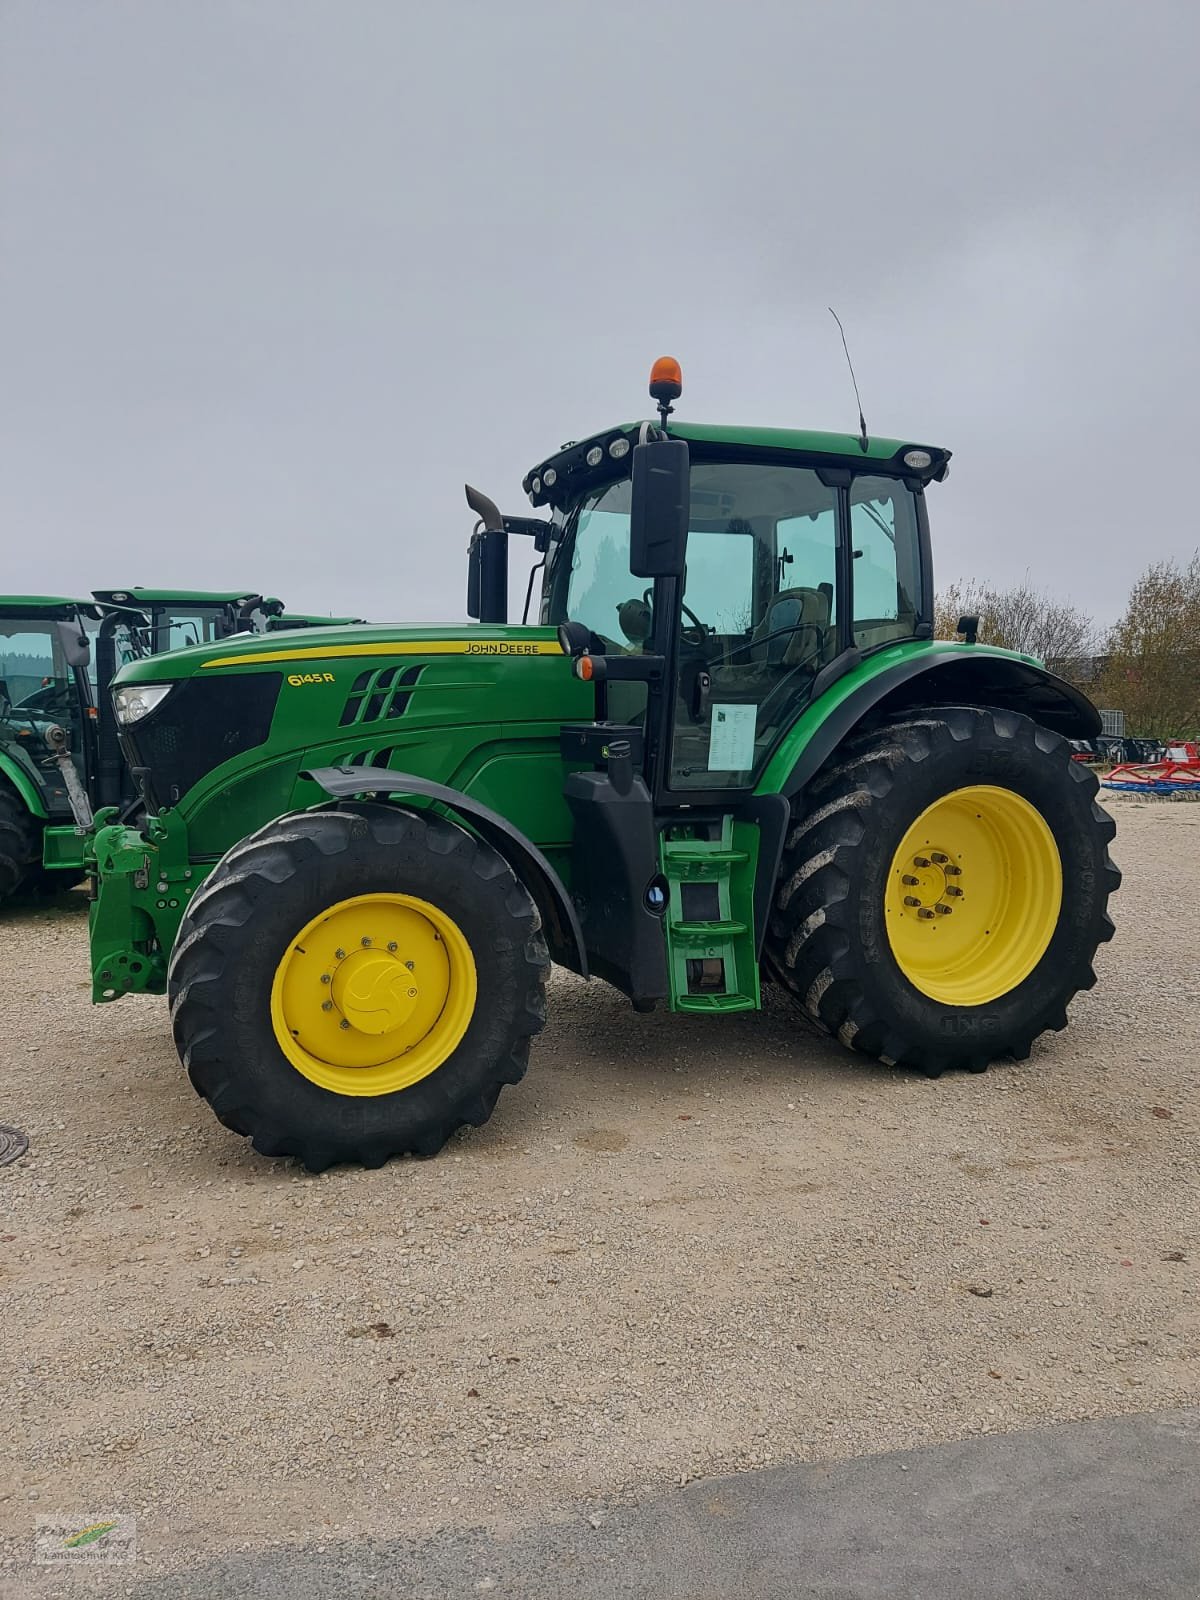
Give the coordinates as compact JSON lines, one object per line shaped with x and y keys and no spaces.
{"x":658,"y":517}
{"x":76,"y":649}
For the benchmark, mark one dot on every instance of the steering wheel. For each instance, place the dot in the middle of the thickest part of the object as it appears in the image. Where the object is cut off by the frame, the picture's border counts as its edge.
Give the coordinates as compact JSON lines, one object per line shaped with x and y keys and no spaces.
{"x":699,"y":629}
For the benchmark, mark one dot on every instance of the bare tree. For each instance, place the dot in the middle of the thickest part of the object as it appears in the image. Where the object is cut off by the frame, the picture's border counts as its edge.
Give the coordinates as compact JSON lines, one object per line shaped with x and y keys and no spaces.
{"x":1153,"y":668}
{"x":1021,"y":618}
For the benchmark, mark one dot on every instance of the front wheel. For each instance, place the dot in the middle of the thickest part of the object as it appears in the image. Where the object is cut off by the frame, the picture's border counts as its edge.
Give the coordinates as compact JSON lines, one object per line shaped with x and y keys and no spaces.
{"x":355,"y":984}
{"x":944,"y":890}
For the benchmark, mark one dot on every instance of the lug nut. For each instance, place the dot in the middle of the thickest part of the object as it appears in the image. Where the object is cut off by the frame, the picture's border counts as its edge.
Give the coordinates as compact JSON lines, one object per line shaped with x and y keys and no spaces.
{"x":325,"y":978}
{"x":952,"y":871}
{"x":392,"y":946}
{"x":909,"y":879}
{"x":412,"y":994}
{"x":343,"y":1023}
{"x":939,"y":858}
{"x":410,"y":965}
{"x":952,"y":888}
{"x":920,"y":861}
{"x":926,"y":916}
{"x":340,"y":954}
{"x":911,"y":900}
{"x":365,"y":943}
{"x":326,"y":1005}
{"x":943,"y":911}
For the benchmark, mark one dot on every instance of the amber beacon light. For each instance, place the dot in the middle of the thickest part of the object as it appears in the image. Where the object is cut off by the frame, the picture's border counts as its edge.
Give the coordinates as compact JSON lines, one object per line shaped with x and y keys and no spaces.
{"x":666,"y":384}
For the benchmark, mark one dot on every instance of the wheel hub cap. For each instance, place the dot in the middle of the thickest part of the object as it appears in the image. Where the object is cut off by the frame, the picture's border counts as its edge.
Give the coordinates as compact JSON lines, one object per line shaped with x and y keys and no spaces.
{"x":374,"y":991}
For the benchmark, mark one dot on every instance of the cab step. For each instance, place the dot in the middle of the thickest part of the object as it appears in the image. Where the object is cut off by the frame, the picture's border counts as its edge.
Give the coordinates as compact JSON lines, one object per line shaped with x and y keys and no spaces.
{"x":709,"y":922}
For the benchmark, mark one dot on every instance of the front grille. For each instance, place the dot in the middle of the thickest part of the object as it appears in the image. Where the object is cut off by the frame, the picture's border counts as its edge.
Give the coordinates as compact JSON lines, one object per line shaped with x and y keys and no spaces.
{"x":202,"y":723}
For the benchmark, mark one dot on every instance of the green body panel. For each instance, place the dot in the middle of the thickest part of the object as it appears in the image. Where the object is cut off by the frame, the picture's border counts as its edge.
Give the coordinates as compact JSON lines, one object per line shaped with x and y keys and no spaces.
{"x":457,"y":728}
{"x":25,"y":783}
{"x":792,"y":745}
{"x":65,"y":848}
{"x":339,"y":648}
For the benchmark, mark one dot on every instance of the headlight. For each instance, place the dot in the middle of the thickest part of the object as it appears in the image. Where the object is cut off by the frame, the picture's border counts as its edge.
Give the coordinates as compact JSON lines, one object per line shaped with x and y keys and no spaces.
{"x":134,"y":701}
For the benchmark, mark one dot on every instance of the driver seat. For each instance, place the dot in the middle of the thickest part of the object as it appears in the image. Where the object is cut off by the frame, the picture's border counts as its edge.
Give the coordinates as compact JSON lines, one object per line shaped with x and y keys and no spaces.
{"x":806,"y":612}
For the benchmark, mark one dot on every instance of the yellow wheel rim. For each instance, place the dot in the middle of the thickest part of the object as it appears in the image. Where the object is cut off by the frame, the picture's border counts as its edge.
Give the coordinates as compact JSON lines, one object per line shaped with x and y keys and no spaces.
{"x":973,"y":895}
{"x":374,"y":994}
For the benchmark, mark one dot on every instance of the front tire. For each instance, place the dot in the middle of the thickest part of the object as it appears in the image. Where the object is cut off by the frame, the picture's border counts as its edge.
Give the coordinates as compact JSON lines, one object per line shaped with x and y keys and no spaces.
{"x":355,"y":984}
{"x":20,"y":842}
{"x":944,"y":890}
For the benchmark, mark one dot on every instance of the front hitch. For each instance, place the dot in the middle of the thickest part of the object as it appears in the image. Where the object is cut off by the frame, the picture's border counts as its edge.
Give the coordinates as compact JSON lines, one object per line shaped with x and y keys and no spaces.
{"x":142,"y":882}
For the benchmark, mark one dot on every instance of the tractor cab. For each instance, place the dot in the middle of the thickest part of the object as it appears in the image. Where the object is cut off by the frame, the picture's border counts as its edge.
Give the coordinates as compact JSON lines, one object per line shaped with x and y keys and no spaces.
{"x":792,"y":559}
{"x":152,"y":621}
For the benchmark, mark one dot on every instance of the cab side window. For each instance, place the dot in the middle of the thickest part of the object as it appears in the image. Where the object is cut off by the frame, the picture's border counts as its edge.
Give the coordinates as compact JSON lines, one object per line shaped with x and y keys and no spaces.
{"x":883,"y":540}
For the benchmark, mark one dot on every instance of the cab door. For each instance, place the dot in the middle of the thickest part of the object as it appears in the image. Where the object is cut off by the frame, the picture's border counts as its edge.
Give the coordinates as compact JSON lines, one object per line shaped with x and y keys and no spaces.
{"x":759,"y":619}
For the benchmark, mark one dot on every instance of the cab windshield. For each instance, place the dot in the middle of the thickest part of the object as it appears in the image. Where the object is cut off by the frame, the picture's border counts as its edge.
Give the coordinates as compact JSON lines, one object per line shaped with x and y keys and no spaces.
{"x":36,"y":684}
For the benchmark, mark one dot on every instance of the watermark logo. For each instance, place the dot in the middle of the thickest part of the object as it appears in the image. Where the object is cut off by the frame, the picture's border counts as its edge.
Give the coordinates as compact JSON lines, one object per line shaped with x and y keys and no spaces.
{"x":84,"y":1539}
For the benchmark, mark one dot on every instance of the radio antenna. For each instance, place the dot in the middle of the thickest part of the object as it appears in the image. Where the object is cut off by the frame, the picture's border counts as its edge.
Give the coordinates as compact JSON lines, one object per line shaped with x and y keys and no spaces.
{"x":862,"y":421}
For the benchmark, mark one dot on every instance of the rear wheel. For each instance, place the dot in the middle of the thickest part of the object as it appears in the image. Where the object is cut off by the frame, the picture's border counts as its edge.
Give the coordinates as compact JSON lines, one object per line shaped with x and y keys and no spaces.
{"x":944,"y":890}
{"x":20,"y":848}
{"x":356,"y":984}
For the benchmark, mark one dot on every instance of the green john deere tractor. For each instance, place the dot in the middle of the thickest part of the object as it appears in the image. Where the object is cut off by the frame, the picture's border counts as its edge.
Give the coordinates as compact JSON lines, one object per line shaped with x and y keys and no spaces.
{"x":59,"y":752}
{"x":48,"y":727}
{"x":731,"y":748}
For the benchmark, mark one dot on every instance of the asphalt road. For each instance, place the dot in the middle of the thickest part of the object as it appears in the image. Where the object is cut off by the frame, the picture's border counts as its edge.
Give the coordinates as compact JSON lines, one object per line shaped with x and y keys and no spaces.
{"x":1089,"y":1511}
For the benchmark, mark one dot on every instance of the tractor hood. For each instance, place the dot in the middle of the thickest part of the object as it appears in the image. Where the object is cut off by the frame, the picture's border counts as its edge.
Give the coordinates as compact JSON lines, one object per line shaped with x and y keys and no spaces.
{"x":310,"y":648}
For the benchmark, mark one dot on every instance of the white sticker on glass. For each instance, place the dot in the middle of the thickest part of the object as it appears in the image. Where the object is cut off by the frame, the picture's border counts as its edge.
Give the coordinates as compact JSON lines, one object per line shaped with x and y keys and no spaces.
{"x":731,"y":742}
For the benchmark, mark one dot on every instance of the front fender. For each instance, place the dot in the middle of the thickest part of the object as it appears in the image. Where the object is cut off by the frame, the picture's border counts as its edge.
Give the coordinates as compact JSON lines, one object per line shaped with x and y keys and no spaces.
{"x":559,"y":917}
{"x":931,"y":675}
{"x":23,"y":784}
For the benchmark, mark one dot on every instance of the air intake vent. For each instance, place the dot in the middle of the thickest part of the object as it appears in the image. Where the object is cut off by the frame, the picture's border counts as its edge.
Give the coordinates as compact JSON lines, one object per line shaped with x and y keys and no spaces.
{"x":366,"y":758}
{"x":379,"y":694}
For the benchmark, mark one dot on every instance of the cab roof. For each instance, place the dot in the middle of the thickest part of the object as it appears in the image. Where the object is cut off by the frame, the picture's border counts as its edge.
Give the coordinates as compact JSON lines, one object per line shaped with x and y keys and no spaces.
{"x":572,"y":471}
{"x":53,"y":607}
{"x":138,"y":595}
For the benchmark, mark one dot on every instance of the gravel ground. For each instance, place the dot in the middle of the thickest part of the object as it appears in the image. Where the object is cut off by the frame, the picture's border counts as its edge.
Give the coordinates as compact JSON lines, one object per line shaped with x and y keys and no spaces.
{"x":682,"y":1247}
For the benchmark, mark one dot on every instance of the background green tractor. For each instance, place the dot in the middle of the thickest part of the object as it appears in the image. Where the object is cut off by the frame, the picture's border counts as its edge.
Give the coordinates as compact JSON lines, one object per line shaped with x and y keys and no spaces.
{"x":173,"y":618}
{"x":45,"y":684}
{"x":731,"y":747}
{"x":57,"y":660}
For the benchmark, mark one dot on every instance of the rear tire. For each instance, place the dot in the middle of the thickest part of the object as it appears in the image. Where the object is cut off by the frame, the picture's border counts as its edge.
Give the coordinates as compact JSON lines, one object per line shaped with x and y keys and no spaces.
{"x":20,"y":835}
{"x":244,"y":927}
{"x":832,"y":938}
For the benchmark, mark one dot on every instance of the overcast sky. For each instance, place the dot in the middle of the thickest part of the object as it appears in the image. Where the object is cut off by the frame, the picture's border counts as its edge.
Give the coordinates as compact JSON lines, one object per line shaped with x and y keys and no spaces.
{"x":277,"y":275}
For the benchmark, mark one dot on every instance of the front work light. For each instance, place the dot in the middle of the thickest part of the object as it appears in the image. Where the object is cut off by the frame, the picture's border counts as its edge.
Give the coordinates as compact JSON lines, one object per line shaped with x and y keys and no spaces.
{"x":133,"y":701}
